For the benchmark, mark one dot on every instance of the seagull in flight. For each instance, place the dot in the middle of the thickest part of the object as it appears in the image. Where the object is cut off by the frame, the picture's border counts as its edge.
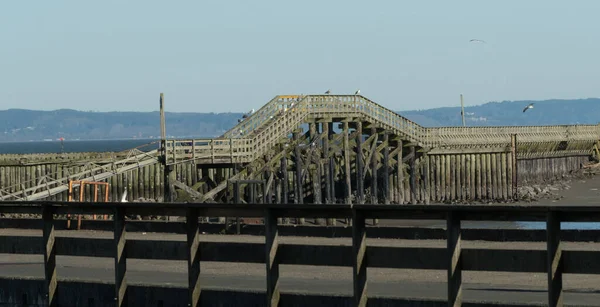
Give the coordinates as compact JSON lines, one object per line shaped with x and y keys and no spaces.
{"x":477,"y":40}
{"x":530,"y":106}
{"x":357,"y":92}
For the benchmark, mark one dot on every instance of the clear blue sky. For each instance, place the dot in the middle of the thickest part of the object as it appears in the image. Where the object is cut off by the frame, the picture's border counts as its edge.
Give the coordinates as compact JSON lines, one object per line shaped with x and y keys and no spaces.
{"x":219,"y":56}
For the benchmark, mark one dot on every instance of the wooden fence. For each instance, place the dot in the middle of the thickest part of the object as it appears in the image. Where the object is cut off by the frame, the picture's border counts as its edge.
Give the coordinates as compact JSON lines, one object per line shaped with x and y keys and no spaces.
{"x":454,"y":259}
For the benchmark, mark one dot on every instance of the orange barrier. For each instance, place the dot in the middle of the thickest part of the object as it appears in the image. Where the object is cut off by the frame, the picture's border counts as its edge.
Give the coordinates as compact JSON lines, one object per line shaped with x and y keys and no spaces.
{"x":82,"y":185}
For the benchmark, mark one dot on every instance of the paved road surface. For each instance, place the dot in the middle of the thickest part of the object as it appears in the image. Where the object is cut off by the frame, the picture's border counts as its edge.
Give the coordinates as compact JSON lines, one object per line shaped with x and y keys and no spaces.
{"x":479,"y":286}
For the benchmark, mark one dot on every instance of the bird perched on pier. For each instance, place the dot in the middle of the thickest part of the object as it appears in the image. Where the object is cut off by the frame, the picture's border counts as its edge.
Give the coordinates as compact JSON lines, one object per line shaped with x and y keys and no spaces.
{"x":530,"y":106}
{"x":328,"y":92}
{"x":357,"y":92}
{"x":124,"y":197}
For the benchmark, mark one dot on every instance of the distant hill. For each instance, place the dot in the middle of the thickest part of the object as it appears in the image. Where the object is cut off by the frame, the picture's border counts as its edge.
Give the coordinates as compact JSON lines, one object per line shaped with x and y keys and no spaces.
{"x":510,"y":113}
{"x":26,"y":125}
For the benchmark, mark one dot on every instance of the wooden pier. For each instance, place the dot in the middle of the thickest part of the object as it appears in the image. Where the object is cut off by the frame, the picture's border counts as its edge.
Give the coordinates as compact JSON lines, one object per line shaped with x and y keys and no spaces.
{"x":320,"y":149}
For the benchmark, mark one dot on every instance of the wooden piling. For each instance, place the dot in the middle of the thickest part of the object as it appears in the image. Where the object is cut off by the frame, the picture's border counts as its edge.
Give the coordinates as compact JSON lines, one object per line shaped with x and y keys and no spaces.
{"x":413,"y":176}
{"x":299,"y":194}
{"x":374,"y":166}
{"x":285,"y":180}
{"x":348,"y":184}
{"x":360,"y":187}
{"x":386,"y":170}
{"x":513,"y":152}
{"x":452,"y":184}
{"x":426,"y":179}
{"x":400,"y":174}
{"x":327,"y":161}
{"x":443,"y":175}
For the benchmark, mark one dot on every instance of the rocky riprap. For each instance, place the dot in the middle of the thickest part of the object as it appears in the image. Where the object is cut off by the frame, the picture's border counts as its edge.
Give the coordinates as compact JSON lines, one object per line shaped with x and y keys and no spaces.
{"x":542,"y":191}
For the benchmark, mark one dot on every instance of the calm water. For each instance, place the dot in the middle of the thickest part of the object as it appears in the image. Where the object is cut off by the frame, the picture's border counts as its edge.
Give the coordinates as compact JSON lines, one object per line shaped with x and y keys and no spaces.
{"x":563,"y":225}
{"x":74,"y":146}
{"x":120,"y":145}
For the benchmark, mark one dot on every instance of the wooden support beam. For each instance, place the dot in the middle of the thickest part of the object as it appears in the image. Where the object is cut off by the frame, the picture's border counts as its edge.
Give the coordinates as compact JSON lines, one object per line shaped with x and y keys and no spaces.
{"x":374,"y":178}
{"x":237,"y":199}
{"x":285,"y":180}
{"x":371,"y":153}
{"x":469,"y":150}
{"x":347,"y":165}
{"x":400,"y":174}
{"x":120,"y":258}
{"x":271,"y":257}
{"x":383,"y":145}
{"x":327,"y":169}
{"x":268,"y":187}
{"x":211,"y":194}
{"x":170,"y":176}
{"x":299,"y":194}
{"x":413,"y":176}
{"x":426,"y":180}
{"x":315,"y":173}
{"x":360,"y":187}
{"x":193,"y":245}
{"x":51,"y":281}
{"x":187,"y":189}
{"x":555,"y":261}
{"x":359,"y":259}
{"x":386,"y":170}
{"x":373,"y":163}
{"x":453,"y":233}
{"x":513,"y":152}
{"x":334,"y":145}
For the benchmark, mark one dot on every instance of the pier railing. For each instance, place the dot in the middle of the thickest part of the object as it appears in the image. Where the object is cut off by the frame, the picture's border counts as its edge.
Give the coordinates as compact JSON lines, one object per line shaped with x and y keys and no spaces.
{"x":455,"y":259}
{"x":265,"y":128}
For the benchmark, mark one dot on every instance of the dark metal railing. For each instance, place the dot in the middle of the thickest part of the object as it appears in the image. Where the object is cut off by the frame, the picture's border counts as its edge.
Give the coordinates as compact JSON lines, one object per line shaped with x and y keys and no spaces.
{"x":455,"y":259}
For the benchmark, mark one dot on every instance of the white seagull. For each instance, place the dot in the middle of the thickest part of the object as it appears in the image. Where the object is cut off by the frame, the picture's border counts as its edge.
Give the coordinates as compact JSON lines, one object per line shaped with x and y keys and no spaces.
{"x":477,"y":40}
{"x":124,"y":197}
{"x":357,"y":92}
{"x":530,"y":106}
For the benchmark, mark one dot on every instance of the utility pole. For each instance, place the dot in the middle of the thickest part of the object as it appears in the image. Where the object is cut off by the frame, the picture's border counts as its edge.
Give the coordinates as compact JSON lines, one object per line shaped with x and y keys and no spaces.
{"x":462,"y":110}
{"x":169,"y":170}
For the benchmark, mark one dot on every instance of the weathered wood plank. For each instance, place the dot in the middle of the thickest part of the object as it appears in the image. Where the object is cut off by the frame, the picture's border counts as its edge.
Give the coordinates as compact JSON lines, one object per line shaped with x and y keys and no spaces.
{"x":193,"y":248}
{"x":454,"y":255}
{"x":555,"y":262}
{"x":120,"y":257}
{"x":359,"y":258}
{"x":272,"y":258}
{"x":50,"y":256}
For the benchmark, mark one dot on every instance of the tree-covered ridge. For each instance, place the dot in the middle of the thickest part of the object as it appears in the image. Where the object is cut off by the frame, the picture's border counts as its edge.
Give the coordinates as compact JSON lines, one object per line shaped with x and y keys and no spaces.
{"x":510,"y":113}
{"x":25,"y":125}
